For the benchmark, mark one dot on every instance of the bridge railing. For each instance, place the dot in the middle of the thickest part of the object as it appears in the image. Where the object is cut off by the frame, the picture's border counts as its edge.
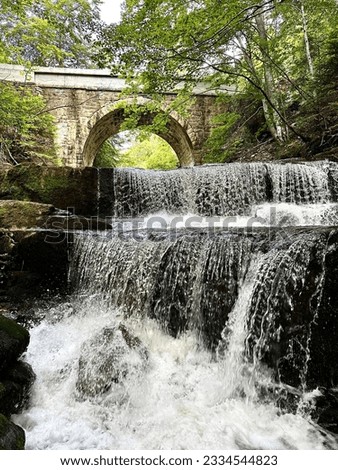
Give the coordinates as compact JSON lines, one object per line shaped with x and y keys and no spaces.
{"x":89,"y":79}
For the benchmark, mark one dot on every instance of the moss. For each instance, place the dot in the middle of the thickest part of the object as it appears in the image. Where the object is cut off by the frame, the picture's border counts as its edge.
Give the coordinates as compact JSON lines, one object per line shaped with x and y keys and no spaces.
{"x":29,"y":182}
{"x":13,"y":329}
{"x":20,"y":441}
{"x":22,"y":214}
{"x":61,"y":186}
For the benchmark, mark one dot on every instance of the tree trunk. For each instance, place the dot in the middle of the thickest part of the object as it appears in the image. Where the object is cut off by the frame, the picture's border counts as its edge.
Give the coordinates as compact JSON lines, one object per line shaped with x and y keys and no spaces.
{"x":276,"y":127}
{"x":306,"y":41}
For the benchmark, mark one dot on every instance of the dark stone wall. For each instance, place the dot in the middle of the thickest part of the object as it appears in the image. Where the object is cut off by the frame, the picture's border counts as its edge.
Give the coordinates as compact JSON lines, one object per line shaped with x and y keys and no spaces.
{"x":72,"y":189}
{"x":33,"y":264}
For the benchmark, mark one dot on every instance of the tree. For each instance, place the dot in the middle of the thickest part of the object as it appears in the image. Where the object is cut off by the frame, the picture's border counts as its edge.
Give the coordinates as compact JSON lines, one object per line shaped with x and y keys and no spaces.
{"x":47,"y":32}
{"x":160,"y":45}
{"x":151,"y":153}
{"x":39,"y":33}
{"x":108,"y":155}
{"x":26,"y":131}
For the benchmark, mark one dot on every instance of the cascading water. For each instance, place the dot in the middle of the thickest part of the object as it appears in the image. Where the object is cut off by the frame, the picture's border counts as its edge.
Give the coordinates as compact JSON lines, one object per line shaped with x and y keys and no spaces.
{"x":229,"y":190}
{"x":198,"y":337}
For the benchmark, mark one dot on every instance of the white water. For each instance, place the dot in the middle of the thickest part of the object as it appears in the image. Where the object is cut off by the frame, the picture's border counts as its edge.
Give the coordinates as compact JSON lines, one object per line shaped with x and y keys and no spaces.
{"x":182,"y":397}
{"x":180,"y":401}
{"x":221,"y":190}
{"x":263,"y":215}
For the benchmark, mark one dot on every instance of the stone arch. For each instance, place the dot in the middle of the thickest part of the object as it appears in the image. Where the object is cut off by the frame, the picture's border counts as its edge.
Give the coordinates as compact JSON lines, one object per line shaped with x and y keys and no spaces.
{"x":108,"y":122}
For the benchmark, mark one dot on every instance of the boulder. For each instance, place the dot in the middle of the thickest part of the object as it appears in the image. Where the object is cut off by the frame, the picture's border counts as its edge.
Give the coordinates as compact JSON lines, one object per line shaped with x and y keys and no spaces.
{"x":15,"y":386}
{"x":109,"y":358}
{"x":14,"y":340}
{"x":12,"y":437}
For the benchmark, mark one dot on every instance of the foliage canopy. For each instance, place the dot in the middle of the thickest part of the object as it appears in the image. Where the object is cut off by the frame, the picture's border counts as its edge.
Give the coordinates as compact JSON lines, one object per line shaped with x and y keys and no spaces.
{"x":150,"y":153}
{"x":147,"y":151}
{"x":39,"y":33}
{"x":55,"y":33}
{"x":271,"y":51}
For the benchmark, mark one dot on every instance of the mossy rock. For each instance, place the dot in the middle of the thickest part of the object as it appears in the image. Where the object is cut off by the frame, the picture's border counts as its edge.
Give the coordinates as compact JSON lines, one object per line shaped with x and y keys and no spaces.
{"x":14,"y":340}
{"x":12,"y":437}
{"x":18,"y":215}
{"x":6,"y":243}
{"x":64,"y":187}
{"x":23,"y":214}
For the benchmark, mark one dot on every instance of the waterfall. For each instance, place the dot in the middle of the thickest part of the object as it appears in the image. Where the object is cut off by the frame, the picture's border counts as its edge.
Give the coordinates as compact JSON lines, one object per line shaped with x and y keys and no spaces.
{"x":187,"y":282}
{"x":194,"y":337}
{"x":217,"y":189}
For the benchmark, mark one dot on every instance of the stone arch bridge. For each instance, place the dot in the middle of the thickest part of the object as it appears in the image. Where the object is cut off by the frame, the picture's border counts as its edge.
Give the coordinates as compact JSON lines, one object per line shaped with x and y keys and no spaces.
{"x":86,"y":104}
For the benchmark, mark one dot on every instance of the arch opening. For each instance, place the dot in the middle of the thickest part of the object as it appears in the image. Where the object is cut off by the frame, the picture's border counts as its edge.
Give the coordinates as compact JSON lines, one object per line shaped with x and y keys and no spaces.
{"x":136,"y":149}
{"x":110,"y":125}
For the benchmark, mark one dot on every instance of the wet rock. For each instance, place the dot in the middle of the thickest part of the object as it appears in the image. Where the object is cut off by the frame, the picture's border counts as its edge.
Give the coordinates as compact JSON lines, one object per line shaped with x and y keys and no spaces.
{"x":39,"y":265}
{"x":109,"y":358}
{"x":12,"y":437}
{"x":15,"y":386}
{"x":34,"y":247}
{"x":327,"y":410}
{"x":297,"y":338}
{"x":14,"y":340}
{"x":23,"y":214}
{"x":73,"y":189}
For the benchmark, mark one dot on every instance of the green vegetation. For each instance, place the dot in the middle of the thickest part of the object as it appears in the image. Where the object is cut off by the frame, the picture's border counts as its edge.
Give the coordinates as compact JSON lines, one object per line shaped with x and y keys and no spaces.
{"x":108,"y":156}
{"x":26,"y":131}
{"x":39,"y":33}
{"x":47,"y":32}
{"x":279,"y":57}
{"x":152,"y":153}
{"x":30,"y":182}
{"x":149,"y":151}
{"x":273,"y":54}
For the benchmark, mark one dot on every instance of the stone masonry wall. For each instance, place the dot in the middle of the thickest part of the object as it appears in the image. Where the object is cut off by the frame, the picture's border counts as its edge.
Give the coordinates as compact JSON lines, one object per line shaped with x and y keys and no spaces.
{"x":85,"y":118}
{"x":83,"y":101}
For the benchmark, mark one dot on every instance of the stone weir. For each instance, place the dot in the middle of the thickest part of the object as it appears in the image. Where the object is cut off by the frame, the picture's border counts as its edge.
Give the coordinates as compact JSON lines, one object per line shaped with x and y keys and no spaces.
{"x":34,"y":245}
{"x":283,"y":278}
{"x":215,"y":190}
{"x":74,"y":190}
{"x":210,"y":190}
